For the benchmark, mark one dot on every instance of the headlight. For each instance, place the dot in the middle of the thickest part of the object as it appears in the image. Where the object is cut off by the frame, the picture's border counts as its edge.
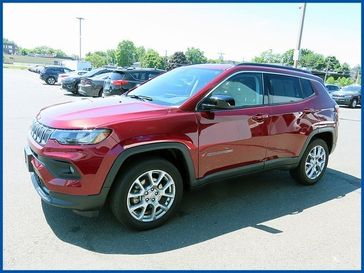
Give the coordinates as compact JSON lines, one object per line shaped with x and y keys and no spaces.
{"x":71,"y":137}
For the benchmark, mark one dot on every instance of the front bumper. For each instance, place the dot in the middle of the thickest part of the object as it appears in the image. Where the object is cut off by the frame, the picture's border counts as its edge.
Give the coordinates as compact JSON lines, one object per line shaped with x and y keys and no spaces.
{"x":81,"y":190}
{"x":76,"y":202}
{"x":342,"y":100}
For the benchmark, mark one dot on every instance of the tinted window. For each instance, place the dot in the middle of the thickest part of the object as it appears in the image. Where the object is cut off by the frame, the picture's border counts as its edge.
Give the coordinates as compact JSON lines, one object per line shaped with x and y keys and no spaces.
{"x":306,"y":88}
{"x":102,"y":76}
{"x":283,"y":89}
{"x":245,"y":88}
{"x":151,"y":75}
{"x":117,"y":75}
{"x":95,"y":72}
{"x":135,"y":75}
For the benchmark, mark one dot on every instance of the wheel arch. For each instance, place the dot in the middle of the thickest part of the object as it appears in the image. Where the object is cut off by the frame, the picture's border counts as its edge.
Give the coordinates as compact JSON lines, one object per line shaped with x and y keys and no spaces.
{"x":327,"y":134}
{"x":174,"y":152}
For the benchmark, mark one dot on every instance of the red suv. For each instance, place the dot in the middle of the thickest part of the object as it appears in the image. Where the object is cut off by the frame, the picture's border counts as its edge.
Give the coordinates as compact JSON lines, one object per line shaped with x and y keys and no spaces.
{"x":188,"y":127}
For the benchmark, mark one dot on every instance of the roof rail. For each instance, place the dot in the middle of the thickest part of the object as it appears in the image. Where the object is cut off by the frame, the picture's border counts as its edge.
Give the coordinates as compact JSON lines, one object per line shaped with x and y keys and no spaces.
{"x":277,"y":66}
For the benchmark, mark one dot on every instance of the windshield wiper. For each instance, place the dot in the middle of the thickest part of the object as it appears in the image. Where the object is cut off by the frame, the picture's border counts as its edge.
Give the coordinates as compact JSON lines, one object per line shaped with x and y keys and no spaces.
{"x":140,"y":97}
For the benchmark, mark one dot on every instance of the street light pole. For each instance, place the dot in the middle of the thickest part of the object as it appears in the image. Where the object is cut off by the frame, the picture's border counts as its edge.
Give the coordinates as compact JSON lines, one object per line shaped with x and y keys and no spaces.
{"x":296,"y":54}
{"x":80,"y":19}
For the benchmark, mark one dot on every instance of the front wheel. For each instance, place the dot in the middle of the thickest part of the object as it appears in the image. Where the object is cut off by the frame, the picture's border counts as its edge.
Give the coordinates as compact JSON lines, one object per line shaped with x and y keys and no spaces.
{"x":353,"y":103}
{"x":313,"y":163}
{"x":147,"y":194}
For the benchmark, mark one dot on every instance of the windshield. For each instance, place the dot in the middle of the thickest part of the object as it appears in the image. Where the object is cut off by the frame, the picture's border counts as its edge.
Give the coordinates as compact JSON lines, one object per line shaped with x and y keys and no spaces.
{"x":175,"y":87}
{"x":352,"y":88}
{"x":92,"y":72}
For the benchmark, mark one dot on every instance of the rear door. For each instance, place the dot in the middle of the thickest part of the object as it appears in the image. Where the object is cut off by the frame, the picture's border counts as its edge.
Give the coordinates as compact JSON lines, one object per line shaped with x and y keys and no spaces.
{"x":292,"y":114}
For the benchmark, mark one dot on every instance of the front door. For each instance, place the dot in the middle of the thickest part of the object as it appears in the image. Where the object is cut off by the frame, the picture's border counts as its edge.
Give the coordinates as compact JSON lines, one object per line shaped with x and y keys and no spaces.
{"x":237,"y":136}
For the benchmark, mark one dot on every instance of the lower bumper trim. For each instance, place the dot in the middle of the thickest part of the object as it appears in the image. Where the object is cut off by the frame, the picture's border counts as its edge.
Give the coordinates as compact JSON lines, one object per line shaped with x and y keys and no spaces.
{"x":75,"y":202}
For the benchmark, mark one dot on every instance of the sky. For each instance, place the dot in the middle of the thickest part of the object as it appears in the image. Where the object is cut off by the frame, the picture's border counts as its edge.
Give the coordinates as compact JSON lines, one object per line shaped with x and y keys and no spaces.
{"x":239,"y":30}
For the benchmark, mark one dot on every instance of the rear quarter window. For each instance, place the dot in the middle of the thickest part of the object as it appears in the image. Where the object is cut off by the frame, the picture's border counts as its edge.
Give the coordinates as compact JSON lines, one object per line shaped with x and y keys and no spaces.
{"x":283,"y":89}
{"x":117,"y":76}
{"x":306,"y":88}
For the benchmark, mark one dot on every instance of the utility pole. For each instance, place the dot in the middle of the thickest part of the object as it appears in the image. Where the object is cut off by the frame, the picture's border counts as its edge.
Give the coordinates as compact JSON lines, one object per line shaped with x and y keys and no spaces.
{"x":221,"y":56}
{"x":80,"y":20}
{"x":296,"y":54}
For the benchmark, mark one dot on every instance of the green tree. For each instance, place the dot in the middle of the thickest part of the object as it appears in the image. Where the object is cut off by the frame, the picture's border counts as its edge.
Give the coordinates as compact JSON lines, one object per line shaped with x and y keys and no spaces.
{"x":344,"y":68}
{"x":126,"y":53}
{"x":287,"y":57}
{"x":152,"y":59}
{"x":97,"y":59}
{"x":176,"y":60}
{"x":111,"y":56}
{"x":213,"y":61}
{"x":332,"y":64}
{"x":140,"y":52}
{"x":195,"y":56}
{"x":330,"y":80}
{"x":267,"y":57}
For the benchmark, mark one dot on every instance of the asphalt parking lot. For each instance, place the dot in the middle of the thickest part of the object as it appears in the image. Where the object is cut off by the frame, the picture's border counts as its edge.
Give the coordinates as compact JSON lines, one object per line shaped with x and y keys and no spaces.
{"x":265,"y":221}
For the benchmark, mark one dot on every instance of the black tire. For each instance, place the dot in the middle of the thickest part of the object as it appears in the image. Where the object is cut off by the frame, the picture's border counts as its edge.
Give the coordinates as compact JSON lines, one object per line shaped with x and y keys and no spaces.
{"x":51,"y":80}
{"x":124,"y":182}
{"x":353,"y":103}
{"x":75,"y":91}
{"x":100,"y":92}
{"x":299,"y":173}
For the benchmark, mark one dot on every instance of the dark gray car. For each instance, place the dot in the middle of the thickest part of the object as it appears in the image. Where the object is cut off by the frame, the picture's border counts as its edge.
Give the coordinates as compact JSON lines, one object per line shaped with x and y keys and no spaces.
{"x":349,"y":95}
{"x":93,"y":87}
{"x":122,"y":80}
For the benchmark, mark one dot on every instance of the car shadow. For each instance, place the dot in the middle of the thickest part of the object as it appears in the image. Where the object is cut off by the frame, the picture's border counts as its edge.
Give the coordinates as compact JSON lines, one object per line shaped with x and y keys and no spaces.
{"x":205,"y":214}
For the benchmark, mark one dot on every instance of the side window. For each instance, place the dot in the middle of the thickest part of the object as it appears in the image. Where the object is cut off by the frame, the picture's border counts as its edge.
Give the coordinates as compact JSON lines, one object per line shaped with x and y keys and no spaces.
{"x":135,"y":75}
{"x":143,"y":76}
{"x":306,"y":88}
{"x":245,"y":88}
{"x":151,"y":75}
{"x":283,"y":89}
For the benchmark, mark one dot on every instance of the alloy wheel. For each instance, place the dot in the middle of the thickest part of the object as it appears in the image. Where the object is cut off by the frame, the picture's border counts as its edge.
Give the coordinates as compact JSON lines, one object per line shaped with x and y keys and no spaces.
{"x":315,"y":162}
{"x":151,"y":195}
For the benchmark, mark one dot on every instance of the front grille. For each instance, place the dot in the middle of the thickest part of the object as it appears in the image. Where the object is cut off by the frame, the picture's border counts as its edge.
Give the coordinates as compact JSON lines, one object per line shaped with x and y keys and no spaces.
{"x":40,"y":133}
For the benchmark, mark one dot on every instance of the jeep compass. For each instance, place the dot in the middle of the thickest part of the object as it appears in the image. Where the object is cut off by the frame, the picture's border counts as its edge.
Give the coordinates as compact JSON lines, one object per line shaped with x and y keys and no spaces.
{"x":188,"y":127}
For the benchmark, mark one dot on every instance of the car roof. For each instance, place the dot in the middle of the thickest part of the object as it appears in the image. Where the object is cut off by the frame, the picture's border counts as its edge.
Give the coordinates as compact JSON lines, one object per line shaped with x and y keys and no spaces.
{"x":138,"y":70}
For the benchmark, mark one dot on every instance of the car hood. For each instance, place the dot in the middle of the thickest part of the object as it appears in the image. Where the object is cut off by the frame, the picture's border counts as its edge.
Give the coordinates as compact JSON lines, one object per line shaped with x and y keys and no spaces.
{"x":99,"y":112}
{"x":344,"y":93}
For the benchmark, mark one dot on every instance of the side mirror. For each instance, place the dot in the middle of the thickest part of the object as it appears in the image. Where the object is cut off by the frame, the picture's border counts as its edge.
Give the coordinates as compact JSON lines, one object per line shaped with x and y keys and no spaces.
{"x":218,"y":102}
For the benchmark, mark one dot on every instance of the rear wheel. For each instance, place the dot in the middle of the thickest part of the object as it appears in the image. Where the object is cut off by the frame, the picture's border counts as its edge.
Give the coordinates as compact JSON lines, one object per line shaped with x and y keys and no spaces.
{"x":147,"y":194}
{"x":313,"y":163}
{"x":51,"y":80}
{"x":353,"y":103}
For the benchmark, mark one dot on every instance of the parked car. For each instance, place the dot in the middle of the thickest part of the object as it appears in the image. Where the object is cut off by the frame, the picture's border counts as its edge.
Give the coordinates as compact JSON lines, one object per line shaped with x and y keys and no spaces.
{"x":188,"y":127}
{"x":36,"y":68}
{"x":49,"y":74}
{"x":61,"y":77}
{"x":349,"y":95}
{"x":122,"y":80}
{"x":332,"y":88}
{"x":93,"y":87}
{"x":70,"y":84}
